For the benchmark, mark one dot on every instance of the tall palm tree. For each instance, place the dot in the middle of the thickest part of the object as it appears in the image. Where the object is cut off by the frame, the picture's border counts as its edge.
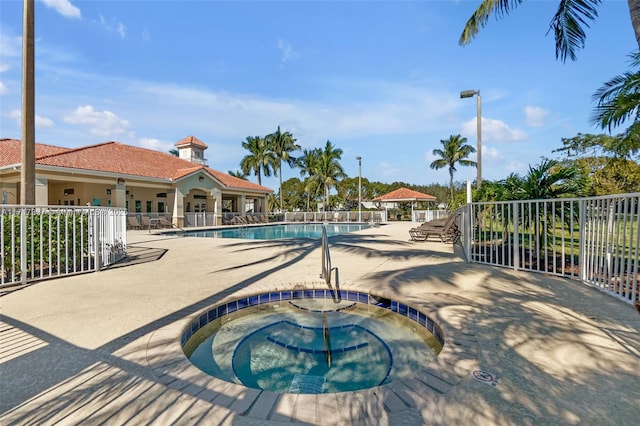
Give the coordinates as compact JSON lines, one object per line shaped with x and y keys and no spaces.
{"x":260,"y":160}
{"x":307,"y":164}
{"x":239,"y":174}
{"x":454,"y":151}
{"x":282,"y":145}
{"x":619,"y":98}
{"x":567,"y":24}
{"x":328,"y":169}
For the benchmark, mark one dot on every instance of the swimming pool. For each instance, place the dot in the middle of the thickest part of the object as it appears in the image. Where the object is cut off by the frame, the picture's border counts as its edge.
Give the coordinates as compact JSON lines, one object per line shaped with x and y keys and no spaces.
{"x":276,"y":232}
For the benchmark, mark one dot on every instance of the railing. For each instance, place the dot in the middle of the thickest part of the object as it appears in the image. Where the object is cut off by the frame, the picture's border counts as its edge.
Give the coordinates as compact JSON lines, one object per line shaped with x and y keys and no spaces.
{"x":428,"y":215}
{"x":325,"y":273}
{"x":595,"y":240}
{"x":337,"y":216}
{"x":41,"y":242}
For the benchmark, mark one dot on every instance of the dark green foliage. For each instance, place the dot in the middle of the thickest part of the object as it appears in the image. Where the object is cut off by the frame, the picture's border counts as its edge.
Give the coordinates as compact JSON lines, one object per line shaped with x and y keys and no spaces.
{"x":56,"y":243}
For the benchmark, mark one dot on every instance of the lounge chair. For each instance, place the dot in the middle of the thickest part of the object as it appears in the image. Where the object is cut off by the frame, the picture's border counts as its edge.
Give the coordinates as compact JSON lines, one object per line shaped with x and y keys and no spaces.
{"x":133,"y":222}
{"x":445,"y":229}
{"x":146,"y":223}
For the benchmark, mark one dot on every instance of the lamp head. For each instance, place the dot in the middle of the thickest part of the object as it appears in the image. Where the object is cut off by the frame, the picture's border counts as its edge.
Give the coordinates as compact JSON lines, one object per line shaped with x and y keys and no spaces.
{"x":358,"y":158}
{"x":469,"y":93}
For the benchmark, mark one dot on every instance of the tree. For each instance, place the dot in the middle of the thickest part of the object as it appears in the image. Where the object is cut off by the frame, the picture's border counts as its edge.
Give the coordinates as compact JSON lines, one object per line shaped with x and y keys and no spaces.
{"x":605,"y":160}
{"x":307,"y":164}
{"x":328,"y":169}
{"x":282,"y":145}
{"x":455,"y":150}
{"x":567,"y":24}
{"x":174,"y":152}
{"x":260,"y":160}
{"x":619,"y":100}
{"x":239,"y":174}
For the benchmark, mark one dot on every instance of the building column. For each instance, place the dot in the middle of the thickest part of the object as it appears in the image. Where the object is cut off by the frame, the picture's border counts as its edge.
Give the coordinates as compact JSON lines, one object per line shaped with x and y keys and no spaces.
{"x":242,"y":205}
{"x":42,"y":192}
{"x":216,"y":195}
{"x":119,"y":196}
{"x":178,"y":208}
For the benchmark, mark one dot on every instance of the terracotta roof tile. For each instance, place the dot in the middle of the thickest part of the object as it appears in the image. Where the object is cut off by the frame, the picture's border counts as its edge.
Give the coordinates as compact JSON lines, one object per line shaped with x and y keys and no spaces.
{"x":405,"y":194}
{"x":115,"y":157}
{"x":11,"y":151}
{"x":191,"y":140}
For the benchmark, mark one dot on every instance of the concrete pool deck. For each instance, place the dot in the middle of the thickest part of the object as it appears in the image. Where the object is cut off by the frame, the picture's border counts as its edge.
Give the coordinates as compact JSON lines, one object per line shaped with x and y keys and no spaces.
{"x":103,"y":348}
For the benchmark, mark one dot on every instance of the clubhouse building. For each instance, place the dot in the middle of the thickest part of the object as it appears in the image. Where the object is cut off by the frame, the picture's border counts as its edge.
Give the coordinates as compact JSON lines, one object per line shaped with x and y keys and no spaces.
{"x":143,"y":181}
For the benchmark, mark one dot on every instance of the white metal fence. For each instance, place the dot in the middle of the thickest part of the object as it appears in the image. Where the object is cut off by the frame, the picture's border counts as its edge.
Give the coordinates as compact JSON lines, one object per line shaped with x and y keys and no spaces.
{"x":337,"y":216}
{"x":595,"y":240}
{"x":40,"y":242}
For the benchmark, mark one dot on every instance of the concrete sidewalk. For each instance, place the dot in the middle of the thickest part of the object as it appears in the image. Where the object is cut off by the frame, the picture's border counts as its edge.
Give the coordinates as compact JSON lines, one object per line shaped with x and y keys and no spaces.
{"x":103,"y":347}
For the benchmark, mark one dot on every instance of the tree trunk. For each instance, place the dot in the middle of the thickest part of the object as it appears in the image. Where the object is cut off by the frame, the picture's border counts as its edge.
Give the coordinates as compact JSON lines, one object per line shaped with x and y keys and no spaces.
{"x":634,"y":11}
{"x":281,"y":197}
{"x":451,"y":184}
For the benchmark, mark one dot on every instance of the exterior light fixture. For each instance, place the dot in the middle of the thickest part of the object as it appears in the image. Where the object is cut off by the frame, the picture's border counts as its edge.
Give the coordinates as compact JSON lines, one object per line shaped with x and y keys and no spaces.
{"x":470,"y":94}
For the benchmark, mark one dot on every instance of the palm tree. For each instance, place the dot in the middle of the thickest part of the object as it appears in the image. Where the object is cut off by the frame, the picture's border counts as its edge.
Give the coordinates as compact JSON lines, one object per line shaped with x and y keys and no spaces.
{"x":174,"y":152}
{"x":567,"y":24}
{"x":307,"y":164}
{"x":261,"y":160}
{"x":455,"y":150}
{"x":619,"y":98}
{"x":239,"y":174}
{"x":328,"y":169}
{"x":282,"y":145}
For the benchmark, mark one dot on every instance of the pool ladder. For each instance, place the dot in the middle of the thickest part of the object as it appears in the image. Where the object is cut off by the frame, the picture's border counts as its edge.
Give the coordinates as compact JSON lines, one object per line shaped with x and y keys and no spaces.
{"x":326,"y":258}
{"x":325,"y":273}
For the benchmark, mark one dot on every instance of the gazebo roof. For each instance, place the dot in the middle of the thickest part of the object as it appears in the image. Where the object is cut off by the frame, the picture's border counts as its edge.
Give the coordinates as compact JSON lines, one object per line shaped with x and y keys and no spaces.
{"x":404,"y":195}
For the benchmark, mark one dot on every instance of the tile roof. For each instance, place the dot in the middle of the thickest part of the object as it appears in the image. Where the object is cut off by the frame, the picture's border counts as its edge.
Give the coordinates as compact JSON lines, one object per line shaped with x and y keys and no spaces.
{"x":191,"y":140}
{"x":405,"y":194}
{"x":11,"y":151}
{"x":115,"y":157}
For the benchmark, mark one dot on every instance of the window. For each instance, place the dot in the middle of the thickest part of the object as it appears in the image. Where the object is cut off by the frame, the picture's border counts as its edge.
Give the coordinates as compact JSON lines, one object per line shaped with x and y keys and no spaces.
{"x":149,"y":206}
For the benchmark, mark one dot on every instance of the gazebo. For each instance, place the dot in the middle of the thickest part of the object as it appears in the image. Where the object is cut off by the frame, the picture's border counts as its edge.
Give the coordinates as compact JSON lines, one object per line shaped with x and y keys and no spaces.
{"x":404,"y":195}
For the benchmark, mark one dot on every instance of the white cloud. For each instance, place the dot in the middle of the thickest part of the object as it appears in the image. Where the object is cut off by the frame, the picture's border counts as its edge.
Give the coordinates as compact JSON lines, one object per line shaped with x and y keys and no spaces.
{"x":387,"y":169}
{"x":146,"y":34}
{"x":112,"y":26}
{"x":4,"y":67}
{"x":156,"y":144}
{"x":287,"y":51}
{"x":10,"y":46}
{"x":3,"y":89}
{"x":40,"y":122}
{"x":64,"y":8}
{"x":535,"y":116}
{"x":100,"y":123}
{"x":492,"y":130}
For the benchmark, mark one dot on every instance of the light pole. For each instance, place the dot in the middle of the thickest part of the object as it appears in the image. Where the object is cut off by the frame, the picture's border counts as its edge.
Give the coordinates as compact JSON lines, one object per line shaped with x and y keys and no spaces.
{"x":359,"y":188}
{"x":470,"y":94}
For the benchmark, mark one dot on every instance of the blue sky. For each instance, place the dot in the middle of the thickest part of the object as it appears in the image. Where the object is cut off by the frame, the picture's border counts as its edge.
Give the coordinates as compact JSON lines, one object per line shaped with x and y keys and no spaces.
{"x":380,"y":79}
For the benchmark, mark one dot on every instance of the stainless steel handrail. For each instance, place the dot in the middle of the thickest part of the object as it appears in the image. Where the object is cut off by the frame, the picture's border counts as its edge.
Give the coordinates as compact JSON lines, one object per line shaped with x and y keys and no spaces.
{"x":326,"y":257}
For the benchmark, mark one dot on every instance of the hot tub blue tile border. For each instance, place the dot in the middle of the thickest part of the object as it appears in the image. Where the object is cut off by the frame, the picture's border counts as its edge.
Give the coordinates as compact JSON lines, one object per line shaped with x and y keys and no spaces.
{"x":285,"y":295}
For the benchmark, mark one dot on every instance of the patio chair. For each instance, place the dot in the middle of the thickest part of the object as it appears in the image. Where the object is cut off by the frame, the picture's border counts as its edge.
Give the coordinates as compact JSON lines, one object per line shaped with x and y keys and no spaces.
{"x":448,"y":231}
{"x":133,"y":223}
{"x":146,"y":223}
{"x":366,"y":216}
{"x":164,"y":222}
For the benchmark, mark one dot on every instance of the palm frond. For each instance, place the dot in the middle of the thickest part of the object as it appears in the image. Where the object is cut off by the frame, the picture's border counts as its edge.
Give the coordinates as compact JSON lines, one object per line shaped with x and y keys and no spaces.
{"x":567,"y":25}
{"x":479,"y":19}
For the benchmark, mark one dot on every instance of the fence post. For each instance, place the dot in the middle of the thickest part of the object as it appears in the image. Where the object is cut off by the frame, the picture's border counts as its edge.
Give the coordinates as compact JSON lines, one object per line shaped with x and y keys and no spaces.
{"x":516,"y":236}
{"x":582,"y":250}
{"x":23,"y":246}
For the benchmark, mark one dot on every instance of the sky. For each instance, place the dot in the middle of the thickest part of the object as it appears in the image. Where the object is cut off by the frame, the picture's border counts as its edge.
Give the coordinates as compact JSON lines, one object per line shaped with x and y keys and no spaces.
{"x":379,"y":79}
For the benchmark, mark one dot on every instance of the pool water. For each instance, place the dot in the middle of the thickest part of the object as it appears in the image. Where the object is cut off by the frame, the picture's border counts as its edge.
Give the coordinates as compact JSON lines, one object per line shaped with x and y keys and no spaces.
{"x":312,"y":346}
{"x":276,"y":232}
